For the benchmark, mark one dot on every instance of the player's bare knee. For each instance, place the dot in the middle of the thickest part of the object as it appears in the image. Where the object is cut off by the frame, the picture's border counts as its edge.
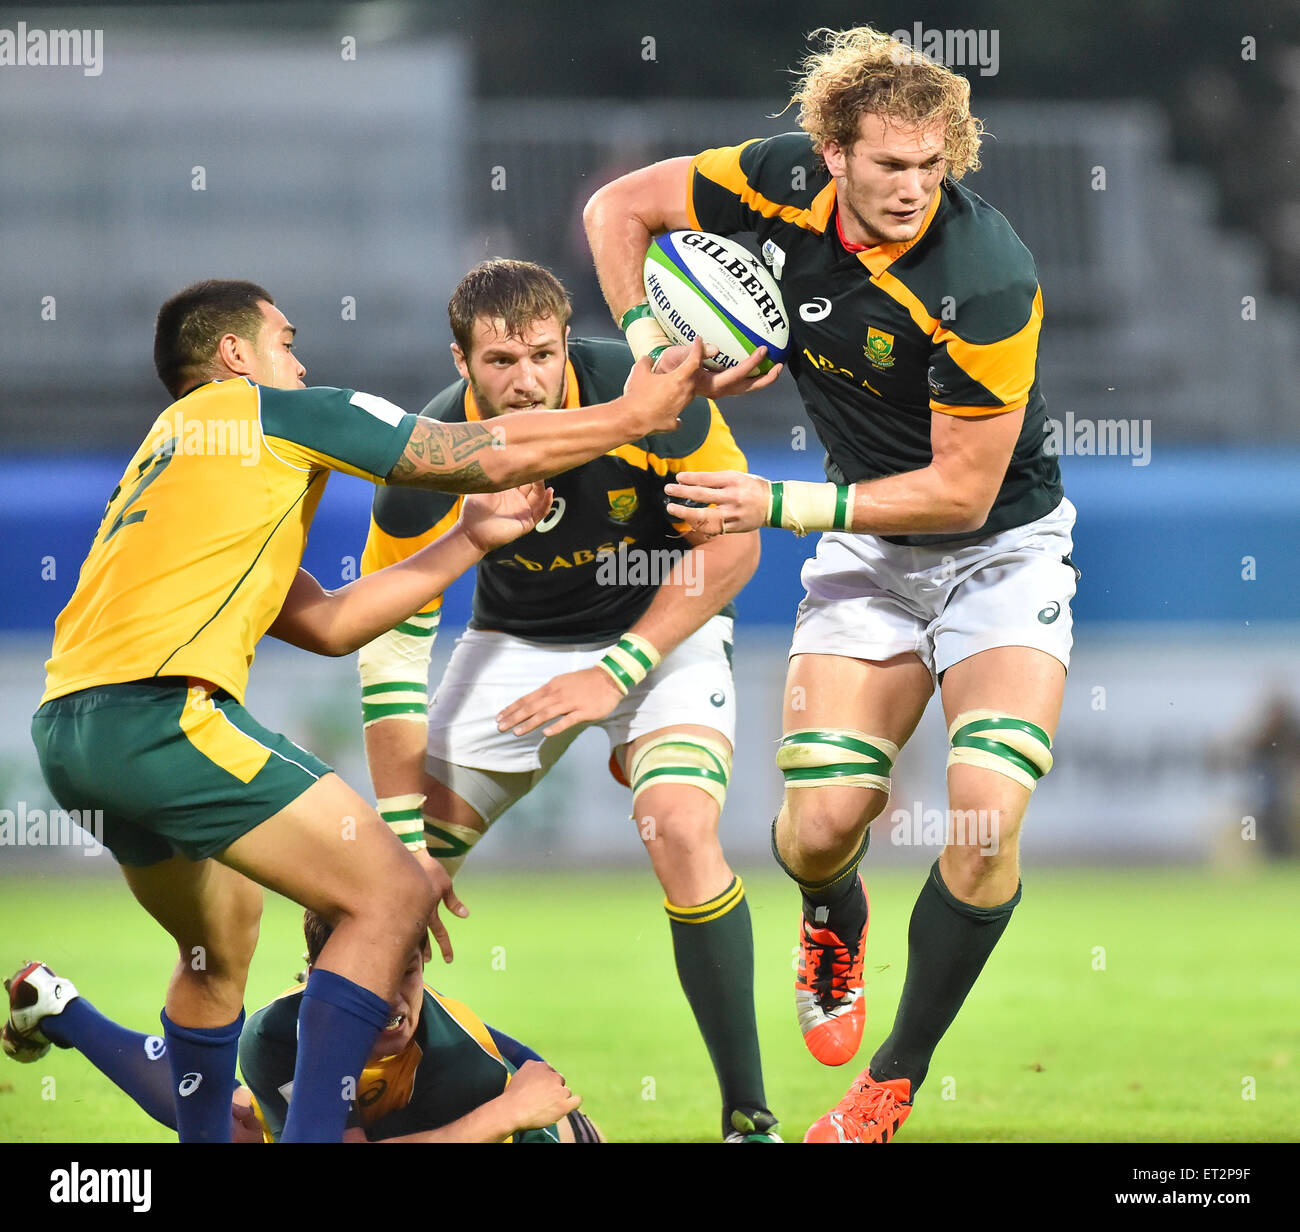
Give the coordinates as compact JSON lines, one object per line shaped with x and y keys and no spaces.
{"x":968,"y":868}
{"x":392,"y":906}
{"x":825,"y":827}
{"x":837,"y":781}
{"x":679,"y":832}
{"x":408,"y":898}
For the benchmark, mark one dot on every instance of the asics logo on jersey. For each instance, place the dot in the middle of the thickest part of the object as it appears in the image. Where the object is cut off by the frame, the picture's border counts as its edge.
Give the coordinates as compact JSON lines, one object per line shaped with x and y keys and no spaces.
{"x":718,"y":699}
{"x":815,"y":309}
{"x":1049,"y":613}
{"x":552,"y":518}
{"x":189,"y":1084}
{"x":373,"y":1094}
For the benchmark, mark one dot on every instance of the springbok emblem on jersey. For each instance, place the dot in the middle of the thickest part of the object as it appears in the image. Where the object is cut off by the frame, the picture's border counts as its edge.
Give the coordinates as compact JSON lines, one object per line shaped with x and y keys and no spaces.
{"x":622,"y":503}
{"x":880,"y":347}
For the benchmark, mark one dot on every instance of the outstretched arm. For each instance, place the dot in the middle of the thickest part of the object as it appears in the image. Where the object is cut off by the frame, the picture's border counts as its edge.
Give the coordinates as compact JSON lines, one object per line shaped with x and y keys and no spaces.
{"x":340,"y":621}
{"x":530,"y":445}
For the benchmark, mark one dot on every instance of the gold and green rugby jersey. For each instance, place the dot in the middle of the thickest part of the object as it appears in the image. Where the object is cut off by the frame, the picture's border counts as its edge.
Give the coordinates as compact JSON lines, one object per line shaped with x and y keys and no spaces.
{"x":591,"y":567}
{"x":883,"y":338}
{"x":203,"y":536}
{"x":450,"y":1067}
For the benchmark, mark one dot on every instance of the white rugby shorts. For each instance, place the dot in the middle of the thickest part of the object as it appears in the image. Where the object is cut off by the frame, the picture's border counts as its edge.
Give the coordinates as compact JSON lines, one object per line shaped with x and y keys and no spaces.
{"x":869,"y":599}
{"x":487,"y":671}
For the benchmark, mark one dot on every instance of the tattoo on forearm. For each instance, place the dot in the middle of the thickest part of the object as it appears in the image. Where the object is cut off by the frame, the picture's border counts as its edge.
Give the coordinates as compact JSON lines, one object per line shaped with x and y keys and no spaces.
{"x":432,"y":452}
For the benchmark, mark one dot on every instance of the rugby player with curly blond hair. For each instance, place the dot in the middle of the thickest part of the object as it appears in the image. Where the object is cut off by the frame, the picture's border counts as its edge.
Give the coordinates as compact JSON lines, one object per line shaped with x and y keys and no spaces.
{"x":915,"y":314}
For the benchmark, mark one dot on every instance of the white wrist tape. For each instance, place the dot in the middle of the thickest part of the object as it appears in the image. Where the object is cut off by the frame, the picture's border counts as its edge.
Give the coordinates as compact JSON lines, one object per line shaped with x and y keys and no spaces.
{"x":629,"y":661}
{"x":645,"y":336}
{"x":801,"y":507}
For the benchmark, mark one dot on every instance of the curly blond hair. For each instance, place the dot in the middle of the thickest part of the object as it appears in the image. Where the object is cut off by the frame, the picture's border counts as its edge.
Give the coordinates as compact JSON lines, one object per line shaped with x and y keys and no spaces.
{"x":862,"y":71}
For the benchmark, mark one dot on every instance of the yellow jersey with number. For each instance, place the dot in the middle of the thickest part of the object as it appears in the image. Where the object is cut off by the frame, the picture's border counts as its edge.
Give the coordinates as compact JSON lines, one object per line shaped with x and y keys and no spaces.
{"x":203,"y":536}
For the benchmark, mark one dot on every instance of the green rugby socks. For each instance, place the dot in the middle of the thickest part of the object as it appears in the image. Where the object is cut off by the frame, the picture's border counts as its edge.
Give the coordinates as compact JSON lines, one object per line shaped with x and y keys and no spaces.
{"x":838,"y":903}
{"x":713,"y":944}
{"x":948,"y":943}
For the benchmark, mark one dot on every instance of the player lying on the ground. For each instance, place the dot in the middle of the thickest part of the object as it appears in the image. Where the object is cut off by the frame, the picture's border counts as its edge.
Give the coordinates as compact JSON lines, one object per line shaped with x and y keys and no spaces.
{"x":914,"y":323}
{"x":199,"y":548}
{"x":436,"y":1073}
{"x":608,"y":613}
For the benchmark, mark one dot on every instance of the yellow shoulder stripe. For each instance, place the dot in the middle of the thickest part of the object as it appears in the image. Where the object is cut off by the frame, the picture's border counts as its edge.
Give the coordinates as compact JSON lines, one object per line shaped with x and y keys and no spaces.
{"x":722,"y":166}
{"x":469,"y":1022}
{"x":719,"y":452}
{"x":1004,"y":368}
{"x":383,"y":549}
{"x":897,"y":290}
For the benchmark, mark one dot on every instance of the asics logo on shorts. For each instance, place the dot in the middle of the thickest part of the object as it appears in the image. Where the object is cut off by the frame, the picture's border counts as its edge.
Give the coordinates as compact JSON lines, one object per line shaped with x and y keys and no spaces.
{"x":189,"y":1084}
{"x":719,"y":698}
{"x":1049,"y":613}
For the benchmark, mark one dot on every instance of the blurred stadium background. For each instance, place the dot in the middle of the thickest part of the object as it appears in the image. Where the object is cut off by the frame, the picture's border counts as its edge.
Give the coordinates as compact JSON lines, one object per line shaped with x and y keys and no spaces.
{"x":357,"y":158}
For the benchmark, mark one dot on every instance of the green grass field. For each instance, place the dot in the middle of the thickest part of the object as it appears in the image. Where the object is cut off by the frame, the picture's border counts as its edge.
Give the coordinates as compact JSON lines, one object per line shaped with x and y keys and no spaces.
{"x":1120,"y":1006}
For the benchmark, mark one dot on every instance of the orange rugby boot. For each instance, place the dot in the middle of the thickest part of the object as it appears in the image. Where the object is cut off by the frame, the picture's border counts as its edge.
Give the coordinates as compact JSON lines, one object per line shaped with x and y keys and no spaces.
{"x":871,"y":1112}
{"x":828,"y":992}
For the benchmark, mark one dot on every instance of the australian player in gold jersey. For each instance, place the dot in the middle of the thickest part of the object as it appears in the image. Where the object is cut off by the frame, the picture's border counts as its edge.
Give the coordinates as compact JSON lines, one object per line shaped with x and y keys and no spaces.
{"x":198,"y":555}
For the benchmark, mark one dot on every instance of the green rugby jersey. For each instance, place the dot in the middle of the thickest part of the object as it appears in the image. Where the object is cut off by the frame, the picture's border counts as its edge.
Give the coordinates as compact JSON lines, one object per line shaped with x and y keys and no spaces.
{"x":591,"y":567}
{"x":450,"y":1067}
{"x":881,"y":339}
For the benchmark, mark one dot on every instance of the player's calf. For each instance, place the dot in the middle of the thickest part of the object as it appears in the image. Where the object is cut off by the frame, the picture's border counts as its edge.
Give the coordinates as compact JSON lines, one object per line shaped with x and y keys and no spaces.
{"x":837,"y":781}
{"x":679,"y":781}
{"x":971,"y":891}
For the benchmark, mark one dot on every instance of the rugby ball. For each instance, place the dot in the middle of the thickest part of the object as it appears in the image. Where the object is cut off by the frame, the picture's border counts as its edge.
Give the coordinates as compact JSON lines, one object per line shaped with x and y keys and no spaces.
{"x":702,"y":285}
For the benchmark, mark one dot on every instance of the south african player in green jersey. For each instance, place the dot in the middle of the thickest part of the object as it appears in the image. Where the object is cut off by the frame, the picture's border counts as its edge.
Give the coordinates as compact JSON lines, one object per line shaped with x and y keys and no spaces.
{"x":915,"y":314}
{"x":610,"y":615}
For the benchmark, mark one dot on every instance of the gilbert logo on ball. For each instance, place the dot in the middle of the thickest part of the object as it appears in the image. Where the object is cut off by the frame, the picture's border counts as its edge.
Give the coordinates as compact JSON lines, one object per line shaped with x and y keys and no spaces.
{"x":702,"y":285}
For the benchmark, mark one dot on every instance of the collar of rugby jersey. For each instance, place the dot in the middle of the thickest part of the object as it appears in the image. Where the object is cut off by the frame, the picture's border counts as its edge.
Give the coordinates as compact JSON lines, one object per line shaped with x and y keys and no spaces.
{"x":571,"y":395}
{"x":879,"y":257}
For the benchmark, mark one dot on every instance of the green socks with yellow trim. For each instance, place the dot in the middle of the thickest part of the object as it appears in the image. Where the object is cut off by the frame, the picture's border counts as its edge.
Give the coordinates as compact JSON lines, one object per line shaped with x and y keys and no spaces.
{"x":713,"y":944}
